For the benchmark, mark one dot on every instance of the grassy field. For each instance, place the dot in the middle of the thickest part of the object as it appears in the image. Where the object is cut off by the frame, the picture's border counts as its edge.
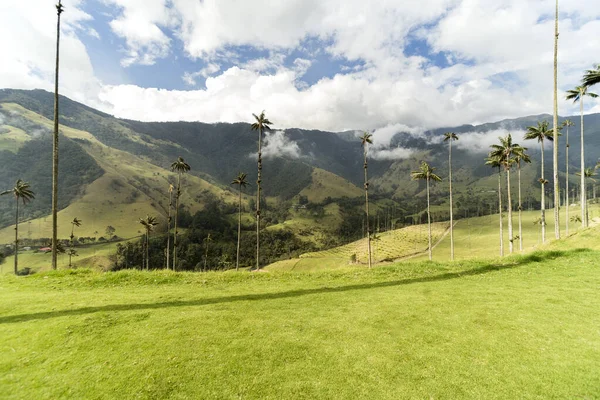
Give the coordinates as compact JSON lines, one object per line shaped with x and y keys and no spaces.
{"x":523,"y":327}
{"x":90,"y":256}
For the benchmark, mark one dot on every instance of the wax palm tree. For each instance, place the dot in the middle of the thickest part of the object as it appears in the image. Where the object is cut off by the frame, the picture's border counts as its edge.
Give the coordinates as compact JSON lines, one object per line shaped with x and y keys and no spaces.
{"x":556,"y":133}
{"x":76,"y":222}
{"x":181,"y":167}
{"x":520,"y":156}
{"x":577,"y":95}
{"x":367,"y":139}
{"x":541,"y":133}
{"x":505,"y":153}
{"x":59,"y":11}
{"x":241,"y":181}
{"x":207,"y":240}
{"x":450,"y":137}
{"x":588,"y":174}
{"x":148,"y":223}
{"x":592,"y":77}
{"x":496,"y":162}
{"x":262,"y":124}
{"x":567,"y":123}
{"x":72,"y":253}
{"x":426,"y":173}
{"x":23,"y":192}
{"x":171,"y":188}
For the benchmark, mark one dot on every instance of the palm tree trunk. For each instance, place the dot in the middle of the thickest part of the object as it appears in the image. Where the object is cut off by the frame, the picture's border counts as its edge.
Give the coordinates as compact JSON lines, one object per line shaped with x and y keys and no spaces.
{"x":582,"y":190}
{"x":451,"y":205}
{"x":17,"y":238}
{"x":237,"y":260}
{"x":509,"y":207}
{"x":555,"y":139}
{"x":520,"y":209}
{"x":367,"y":206}
{"x":500,"y":212}
{"x":176,"y":219}
{"x":428,"y":221}
{"x":543,"y":200}
{"x":147,"y":252}
{"x":55,"y":149}
{"x":258,"y":180}
{"x":169,"y":226}
{"x":206,"y":254}
{"x":567,"y":184}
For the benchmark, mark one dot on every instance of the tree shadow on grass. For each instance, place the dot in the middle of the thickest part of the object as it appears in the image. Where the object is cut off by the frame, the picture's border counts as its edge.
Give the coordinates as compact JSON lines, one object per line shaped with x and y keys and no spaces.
{"x":487,"y":268}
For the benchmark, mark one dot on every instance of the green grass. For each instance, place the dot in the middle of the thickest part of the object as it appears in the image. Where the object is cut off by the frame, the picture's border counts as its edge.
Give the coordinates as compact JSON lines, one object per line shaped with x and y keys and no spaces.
{"x":90,"y":256}
{"x":14,"y":139}
{"x":523,"y":327}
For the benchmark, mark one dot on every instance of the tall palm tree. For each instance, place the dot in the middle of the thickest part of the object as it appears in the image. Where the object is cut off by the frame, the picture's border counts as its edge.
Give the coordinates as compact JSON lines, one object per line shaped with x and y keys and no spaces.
{"x":262,"y":124}
{"x":149,"y":223}
{"x":505,"y":151}
{"x":541,"y":133}
{"x":588,"y":174}
{"x":425,"y":172}
{"x":591,"y":77}
{"x":181,"y":167}
{"x":577,"y":95}
{"x":20,"y":191}
{"x":367,"y":139}
{"x":207,"y":240}
{"x":71,"y":253}
{"x":496,"y":162}
{"x":556,"y":133}
{"x":567,"y":123}
{"x":76,"y":222}
{"x":241,"y":181}
{"x":520,"y":156}
{"x":171,"y":188}
{"x":450,"y":137}
{"x":59,"y":11}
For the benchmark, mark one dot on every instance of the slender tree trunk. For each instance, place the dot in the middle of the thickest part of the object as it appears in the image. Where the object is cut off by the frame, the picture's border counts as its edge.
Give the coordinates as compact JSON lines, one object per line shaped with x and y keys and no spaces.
{"x":582,"y":189}
{"x":169,"y":226}
{"x":500,"y":212}
{"x":451,"y":204}
{"x":17,"y":238}
{"x":428,"y":221}
{"x":55,"y":149}
{"x":147,"y":251}
{"x":567,"y":184}
{"x":206,"y":252}
{"x":258,"y":181}
{"x":543,"y":200}
{"x":70,"y":256}
{"x":367,"y":206}
{"x":555,"y":134}
{"x":177,"y":195}
{"x":237,"y":260}
{"x":520,"y":209}
{"x":509,"y":208}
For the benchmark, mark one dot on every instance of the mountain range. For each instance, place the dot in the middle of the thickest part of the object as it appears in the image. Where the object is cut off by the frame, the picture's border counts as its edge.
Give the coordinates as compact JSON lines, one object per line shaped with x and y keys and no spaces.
{"x":114,"y":170}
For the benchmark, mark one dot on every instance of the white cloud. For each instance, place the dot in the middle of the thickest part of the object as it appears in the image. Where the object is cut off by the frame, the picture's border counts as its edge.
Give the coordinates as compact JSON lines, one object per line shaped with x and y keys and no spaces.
{"x":139,"y":23}
{"x":210,"y":69}
{"x":500,"y":54}
{"x":278,"y":145}
{"x":397,"y":153}
{"x":480,"y":142}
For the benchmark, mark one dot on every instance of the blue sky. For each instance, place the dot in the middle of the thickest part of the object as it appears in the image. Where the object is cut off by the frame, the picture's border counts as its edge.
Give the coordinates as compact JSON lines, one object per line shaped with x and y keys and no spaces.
{"x":324,"y":64}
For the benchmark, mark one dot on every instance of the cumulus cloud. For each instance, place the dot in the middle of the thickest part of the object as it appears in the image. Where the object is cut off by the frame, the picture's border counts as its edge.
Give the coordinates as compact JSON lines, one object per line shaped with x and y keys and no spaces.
{"x":480,"y":142}
{"x":278,"y":145}
{"x":397,"y":153}
{"x":389,"y":86}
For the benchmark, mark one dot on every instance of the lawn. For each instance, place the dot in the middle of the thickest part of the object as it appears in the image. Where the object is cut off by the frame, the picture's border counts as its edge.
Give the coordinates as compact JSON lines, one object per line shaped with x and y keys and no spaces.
{"x":521,"y":327}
